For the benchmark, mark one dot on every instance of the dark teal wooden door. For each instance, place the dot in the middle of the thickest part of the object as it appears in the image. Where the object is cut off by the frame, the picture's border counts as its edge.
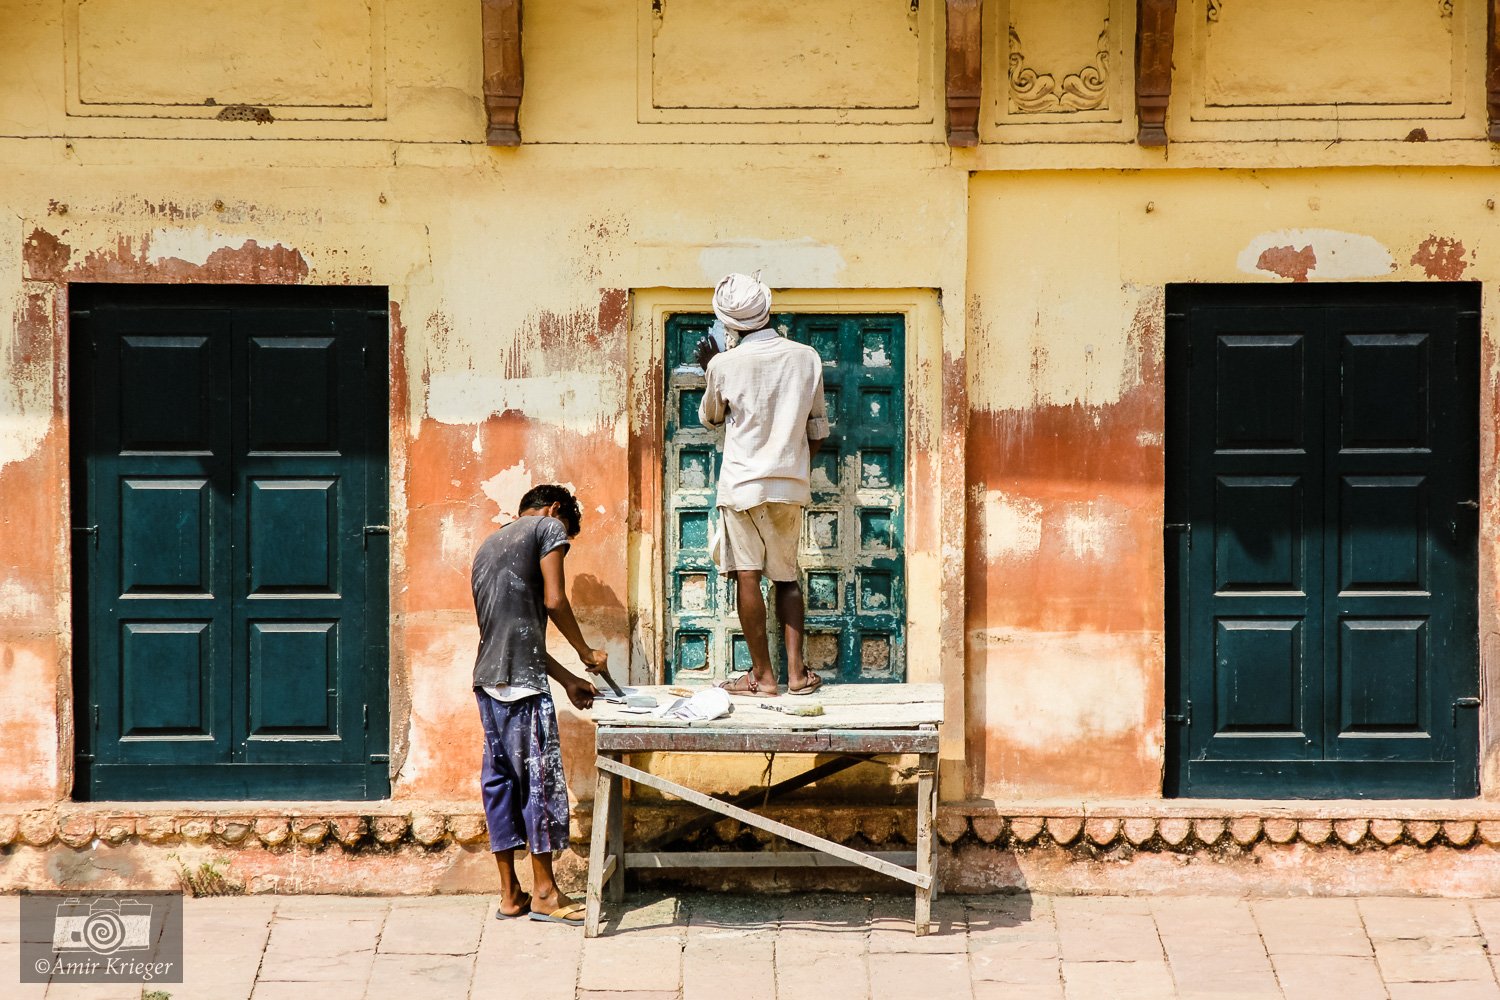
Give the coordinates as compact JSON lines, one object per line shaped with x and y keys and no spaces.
{"x":1322,"y":540}
{"x":230,"y":542}
{"x":853,"y":569}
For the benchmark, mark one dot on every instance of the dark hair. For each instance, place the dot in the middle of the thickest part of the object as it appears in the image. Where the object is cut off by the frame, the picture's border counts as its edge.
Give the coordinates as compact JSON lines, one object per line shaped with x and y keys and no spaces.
{"x":545,"y":496}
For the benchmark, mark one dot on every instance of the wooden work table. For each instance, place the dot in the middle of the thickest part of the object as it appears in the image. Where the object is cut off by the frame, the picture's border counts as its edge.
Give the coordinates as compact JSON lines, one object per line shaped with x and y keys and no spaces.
{"x":861,"y":722}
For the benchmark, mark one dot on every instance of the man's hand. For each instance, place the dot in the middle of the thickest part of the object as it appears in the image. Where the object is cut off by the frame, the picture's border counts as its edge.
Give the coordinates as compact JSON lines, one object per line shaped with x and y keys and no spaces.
{"x":705,"y":352}
{"x":580,"y":692}
{"x":595,"y":660}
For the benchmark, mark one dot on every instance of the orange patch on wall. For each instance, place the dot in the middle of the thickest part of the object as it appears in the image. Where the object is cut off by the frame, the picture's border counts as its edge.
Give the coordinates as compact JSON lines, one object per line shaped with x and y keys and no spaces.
{"x":1441,"y":257}
{"x":1288,"y":262}
{"x":1060,"y":460}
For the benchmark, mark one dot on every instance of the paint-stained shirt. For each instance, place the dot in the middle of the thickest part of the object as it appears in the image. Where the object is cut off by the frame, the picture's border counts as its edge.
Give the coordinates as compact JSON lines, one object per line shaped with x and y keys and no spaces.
{"x":509,"y":602}
{"x":767,"y":393}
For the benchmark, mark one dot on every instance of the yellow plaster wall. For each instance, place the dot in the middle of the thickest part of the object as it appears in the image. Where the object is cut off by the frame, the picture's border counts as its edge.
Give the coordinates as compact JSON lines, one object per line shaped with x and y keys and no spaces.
{"x":511,"y":272}
{"x":1066,"y":659}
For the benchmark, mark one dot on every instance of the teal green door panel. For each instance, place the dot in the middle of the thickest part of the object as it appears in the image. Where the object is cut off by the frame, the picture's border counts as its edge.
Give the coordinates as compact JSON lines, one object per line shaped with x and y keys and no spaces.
{"x":230,"y":451}
{"x":853,"y":568}
{"x":1322,"y":555}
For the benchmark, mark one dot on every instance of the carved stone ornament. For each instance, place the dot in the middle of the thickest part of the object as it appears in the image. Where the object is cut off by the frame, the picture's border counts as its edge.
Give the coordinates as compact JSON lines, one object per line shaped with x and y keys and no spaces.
{"x":1039,"y":93}
{"x":1154,"y":24}
{"x":503,"y":77}
{"x":965,"y":57}
{"x":1492,"y":70}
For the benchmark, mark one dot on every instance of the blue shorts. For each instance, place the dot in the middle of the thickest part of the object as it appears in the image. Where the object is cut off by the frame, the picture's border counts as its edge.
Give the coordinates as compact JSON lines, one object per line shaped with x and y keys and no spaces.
{"x":522,"y":782}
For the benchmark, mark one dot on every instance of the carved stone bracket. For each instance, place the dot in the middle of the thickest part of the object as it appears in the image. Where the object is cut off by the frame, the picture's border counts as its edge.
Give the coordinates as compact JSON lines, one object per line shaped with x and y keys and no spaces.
{"x":1154,"y":23}
{"x":503,"y":78}
{"x":1492,"y":70}
{"x":965,"y":57}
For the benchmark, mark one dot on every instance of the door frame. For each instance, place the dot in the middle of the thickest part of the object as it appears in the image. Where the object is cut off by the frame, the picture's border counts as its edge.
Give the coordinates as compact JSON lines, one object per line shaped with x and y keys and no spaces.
{"x":1474,"y":357}
{"x":935,"y":493}
{"x":74,"y":740}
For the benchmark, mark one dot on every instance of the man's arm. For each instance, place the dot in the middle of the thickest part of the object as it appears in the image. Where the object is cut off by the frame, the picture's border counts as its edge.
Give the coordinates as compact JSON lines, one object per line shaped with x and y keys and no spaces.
{"x":580,"y":692}
{"x":560,"y":610}
{"x":711,"y":409}
{"x":817,"y":416}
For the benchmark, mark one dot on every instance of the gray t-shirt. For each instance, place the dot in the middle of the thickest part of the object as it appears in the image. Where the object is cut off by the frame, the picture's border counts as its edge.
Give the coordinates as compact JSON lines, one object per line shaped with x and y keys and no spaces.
{"x":508,"y":599}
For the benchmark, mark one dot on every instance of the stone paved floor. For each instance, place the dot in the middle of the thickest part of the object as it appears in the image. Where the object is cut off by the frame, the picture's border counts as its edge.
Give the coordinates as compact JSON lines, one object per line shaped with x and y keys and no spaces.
{"x":826,"y":947}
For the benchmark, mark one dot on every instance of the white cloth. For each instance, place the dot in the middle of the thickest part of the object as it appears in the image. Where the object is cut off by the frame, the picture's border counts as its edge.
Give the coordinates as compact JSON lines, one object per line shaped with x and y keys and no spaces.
{"x":742,"y":302}
{"x":510,"y":692}
{"x":767,"y":393}
{"x":710,"y":703}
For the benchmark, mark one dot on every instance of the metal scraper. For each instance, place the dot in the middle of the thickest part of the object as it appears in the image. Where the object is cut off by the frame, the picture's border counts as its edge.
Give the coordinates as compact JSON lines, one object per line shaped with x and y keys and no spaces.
{"x":619,"y":691}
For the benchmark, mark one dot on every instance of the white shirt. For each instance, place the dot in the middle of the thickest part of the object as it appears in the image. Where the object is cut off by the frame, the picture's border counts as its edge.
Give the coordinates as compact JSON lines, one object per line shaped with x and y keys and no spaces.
{"x":767,"y":393}
{"x":510,"y":692}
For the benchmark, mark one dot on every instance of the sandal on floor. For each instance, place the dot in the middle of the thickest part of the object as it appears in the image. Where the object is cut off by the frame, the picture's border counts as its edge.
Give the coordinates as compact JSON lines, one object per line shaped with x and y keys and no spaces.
{"x":561,"y":916}
{"x":525,"y":909}
{"x":746,"y":684}
{"x":810,"y":687}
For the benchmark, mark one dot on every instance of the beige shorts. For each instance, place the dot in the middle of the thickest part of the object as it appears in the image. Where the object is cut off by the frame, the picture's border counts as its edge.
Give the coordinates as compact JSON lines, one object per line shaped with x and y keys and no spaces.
{"x":762,"y":538}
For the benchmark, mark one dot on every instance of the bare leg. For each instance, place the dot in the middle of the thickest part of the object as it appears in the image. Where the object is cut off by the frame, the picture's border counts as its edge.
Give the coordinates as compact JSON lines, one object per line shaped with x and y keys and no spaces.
{"x":546,"y":896}
{"x":753,"y":621}
{"x":513,"y":898}
{"x":790,"y":608}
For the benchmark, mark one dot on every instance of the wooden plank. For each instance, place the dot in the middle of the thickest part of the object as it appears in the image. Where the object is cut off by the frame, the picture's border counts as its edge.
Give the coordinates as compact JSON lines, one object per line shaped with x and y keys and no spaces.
{"x":614,"y":881}
{"x":926,"y":811}
{"x":753,"y":716}
{"x":812,"y":774}
{"x":598,"y":847}
{"x":611,"y":865}
{"x":696,"y":740}
{"x":755,"y":859}
{"x":791,"y":833}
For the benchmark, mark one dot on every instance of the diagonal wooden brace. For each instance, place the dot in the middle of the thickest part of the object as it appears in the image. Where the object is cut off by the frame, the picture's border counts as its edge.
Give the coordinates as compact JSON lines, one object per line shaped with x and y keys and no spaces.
{"x":796,"y":836}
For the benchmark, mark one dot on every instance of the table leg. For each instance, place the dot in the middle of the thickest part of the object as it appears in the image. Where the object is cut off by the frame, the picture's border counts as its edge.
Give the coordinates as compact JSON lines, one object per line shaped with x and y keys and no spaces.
{"x":598,"y":850}
{"x":926,"y":813}
{"x":616,"y":834}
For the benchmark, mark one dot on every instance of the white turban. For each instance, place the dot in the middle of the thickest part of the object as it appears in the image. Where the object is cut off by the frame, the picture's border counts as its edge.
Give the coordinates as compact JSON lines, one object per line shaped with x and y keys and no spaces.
{"x":742,"y":303}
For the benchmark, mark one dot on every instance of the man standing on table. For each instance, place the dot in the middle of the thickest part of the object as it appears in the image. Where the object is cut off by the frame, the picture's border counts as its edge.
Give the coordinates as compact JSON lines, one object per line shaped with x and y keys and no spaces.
{"x":767,"y":394}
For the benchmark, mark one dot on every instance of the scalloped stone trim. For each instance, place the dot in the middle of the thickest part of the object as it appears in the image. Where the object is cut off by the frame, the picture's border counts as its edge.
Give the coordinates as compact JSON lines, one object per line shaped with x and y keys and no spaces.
{"x":1076,"y":829}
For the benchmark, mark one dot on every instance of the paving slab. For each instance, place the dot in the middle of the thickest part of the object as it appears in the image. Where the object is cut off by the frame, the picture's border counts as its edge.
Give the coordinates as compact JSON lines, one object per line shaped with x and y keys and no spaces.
{"x":1445,"y":991}
{"x":1387,"y":918}
{"x":821,"y":976}
{"x":442,"y":926}
{"x":719,"y":969}
{"x":1312,"y":927}
{"x":506,"y":945}
{"x":1424,"y":960}
{"x":985,"y":966}
{"x":1107,"y":929}
{"x":1148,"y":980}
{"x":1328,"y":977}
{"x":904,"y":976}
{"x":421,"y":977}
{"x":631,"y":961}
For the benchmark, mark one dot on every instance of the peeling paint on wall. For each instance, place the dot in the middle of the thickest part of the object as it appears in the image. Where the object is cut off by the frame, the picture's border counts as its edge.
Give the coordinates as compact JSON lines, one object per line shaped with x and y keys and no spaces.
{"x":1012,"y":525}
{"x":1441,"y":257}
{"x":1300,"y":254}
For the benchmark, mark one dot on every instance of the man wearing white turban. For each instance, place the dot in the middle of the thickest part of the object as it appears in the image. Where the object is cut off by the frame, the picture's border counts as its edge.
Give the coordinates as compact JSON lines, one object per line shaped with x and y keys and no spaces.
{"x":767,"y":394}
